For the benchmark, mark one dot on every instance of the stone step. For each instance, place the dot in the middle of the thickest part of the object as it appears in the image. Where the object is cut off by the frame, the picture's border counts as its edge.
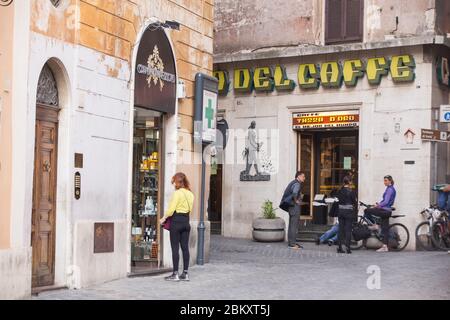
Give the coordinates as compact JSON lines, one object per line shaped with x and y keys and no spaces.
{"x":314,"y":227}
{"x":301,"y":239}
{"x":308,"y":235}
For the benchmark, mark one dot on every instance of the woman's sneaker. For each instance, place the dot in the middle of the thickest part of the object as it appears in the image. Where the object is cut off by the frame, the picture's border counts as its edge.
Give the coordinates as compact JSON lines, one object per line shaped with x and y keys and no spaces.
{"x":173,"y":277}
{"x":184,"y":276}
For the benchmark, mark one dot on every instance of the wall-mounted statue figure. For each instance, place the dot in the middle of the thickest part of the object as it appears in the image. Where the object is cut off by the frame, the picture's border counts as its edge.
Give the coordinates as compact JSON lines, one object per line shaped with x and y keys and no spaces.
{"x":251,"y":155}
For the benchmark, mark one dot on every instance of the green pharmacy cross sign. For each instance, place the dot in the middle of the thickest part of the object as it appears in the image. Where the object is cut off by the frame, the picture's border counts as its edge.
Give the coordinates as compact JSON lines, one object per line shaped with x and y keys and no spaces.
{"x":209,"y":113}
{"x":206,"y":91}
{"x":209,"y":116}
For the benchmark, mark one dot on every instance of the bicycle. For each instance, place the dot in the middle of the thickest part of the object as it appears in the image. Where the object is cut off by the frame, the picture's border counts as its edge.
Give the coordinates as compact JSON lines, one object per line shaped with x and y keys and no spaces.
{"x":423,"y":231}
{"x":440,"y":231}
{"x":398,"y":233}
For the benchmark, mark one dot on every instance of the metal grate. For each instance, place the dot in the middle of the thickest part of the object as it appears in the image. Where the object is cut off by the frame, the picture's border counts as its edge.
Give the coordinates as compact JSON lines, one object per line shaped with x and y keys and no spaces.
{"x":47,"y":92}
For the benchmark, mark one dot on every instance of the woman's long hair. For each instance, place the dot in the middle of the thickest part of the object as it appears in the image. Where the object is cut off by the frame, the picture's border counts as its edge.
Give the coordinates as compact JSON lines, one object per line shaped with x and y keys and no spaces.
{"x":181,"y":181}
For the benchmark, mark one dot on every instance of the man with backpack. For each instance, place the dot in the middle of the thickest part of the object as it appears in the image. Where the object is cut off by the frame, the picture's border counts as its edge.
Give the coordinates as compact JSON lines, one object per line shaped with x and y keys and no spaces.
{"x":290,"y":202}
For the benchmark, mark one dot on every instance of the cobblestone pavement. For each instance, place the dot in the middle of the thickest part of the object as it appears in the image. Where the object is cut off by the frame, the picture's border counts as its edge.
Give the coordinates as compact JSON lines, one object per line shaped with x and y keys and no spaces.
{"x":243,"y":269}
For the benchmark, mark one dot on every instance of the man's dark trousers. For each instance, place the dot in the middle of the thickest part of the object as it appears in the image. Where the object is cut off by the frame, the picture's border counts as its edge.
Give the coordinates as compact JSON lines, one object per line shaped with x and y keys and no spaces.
{"x":294,"y":221}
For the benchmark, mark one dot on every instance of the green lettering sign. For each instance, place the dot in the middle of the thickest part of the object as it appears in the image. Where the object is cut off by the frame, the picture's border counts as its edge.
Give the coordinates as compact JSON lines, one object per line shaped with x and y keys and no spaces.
{"x":263,"y":79}
{"x":308,"y":76}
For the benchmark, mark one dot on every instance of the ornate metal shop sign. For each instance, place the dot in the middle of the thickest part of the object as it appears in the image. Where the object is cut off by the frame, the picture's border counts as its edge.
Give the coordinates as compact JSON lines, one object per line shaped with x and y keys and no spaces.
{"x":155,"y":80}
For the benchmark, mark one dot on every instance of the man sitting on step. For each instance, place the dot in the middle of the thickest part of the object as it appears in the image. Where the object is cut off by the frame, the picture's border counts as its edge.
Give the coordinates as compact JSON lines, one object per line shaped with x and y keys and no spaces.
{"x":330,"y":237}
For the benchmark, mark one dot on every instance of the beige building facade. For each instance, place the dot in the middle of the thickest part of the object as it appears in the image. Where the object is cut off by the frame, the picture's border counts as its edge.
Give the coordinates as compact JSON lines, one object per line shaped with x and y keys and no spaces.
{"x":85,"y":171}
{"x":332,"y":95}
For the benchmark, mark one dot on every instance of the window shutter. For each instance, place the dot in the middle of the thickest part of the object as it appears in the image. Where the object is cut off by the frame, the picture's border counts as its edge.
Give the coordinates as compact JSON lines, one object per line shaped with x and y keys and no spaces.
{"x":334,"y":15}
{"x":354,"y":15}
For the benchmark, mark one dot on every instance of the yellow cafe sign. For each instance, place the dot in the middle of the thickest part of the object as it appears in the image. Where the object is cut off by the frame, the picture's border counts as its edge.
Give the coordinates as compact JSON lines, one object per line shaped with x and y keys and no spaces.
{"x":330,"y":74}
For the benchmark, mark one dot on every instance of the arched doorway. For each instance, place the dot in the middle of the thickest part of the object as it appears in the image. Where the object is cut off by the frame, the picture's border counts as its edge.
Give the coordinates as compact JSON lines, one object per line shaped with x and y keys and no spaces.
{"x":154,"y":101}
{"x":43,"y":221}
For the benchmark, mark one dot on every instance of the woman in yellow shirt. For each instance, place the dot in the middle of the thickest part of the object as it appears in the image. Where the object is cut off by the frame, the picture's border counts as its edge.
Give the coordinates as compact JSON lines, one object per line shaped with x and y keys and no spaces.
{"x":180,"y":207}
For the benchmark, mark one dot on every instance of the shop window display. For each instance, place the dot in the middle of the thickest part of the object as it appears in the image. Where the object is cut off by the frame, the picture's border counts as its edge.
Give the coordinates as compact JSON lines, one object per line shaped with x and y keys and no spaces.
{"x":145,"y":250}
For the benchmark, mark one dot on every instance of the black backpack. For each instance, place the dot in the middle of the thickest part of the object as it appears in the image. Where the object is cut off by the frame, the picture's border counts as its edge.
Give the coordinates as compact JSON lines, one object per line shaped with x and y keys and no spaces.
{"x":361,"y":232}
{"x":287,"y":200}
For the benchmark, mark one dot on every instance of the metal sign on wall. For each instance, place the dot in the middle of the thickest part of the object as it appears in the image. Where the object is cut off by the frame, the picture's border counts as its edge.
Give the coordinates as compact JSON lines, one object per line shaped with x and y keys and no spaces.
{"x":319,"y":120}
{"x":155,"y":76}
{"x":435,"y":135}
{"x":444,"y":113}
{"x":103,"y":237}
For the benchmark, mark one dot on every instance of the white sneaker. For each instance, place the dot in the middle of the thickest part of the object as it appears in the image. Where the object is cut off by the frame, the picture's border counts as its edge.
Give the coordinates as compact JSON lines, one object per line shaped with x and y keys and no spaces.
{"x":383,"y":249}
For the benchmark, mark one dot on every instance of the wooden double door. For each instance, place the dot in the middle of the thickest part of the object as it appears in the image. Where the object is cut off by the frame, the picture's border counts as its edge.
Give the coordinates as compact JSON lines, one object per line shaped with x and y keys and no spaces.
{"x":44,"y":196}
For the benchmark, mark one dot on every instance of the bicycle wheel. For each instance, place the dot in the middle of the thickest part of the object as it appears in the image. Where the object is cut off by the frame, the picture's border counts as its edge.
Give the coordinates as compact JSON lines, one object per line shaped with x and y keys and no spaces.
{"x":423,"y":236}
{"x":398,"y":237}
{"x":441,"y":235}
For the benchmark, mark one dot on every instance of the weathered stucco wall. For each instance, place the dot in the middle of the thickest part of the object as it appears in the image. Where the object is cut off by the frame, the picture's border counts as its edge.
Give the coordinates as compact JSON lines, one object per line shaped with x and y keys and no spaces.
{"x":409,"y":104}
{"x":90,"y":46}
{"x":400,"y":18}
{"x":250,"y":25}
{"x":111,"y":29}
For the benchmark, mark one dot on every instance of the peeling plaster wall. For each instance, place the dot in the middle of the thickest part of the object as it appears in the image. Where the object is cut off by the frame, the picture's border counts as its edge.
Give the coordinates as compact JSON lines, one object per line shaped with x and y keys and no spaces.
{"x":250,"y":25}
{"x":415,"y":17}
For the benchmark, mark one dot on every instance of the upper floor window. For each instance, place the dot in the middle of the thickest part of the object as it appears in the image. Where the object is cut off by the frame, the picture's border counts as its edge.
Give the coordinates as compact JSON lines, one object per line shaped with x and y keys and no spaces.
{"x":344,"y":21}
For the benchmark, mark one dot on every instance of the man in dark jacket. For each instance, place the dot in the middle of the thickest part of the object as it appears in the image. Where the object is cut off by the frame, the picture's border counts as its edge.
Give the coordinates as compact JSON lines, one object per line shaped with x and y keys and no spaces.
{"x":291,"y":201}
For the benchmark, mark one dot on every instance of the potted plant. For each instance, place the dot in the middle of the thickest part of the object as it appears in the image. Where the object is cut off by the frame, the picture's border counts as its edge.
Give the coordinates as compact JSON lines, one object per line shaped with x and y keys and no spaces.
{"x":268,"y":228}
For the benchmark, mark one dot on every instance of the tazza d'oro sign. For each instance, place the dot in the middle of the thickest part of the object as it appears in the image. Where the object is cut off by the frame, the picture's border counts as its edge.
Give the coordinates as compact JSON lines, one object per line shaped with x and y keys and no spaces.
{"x":330,"y":119}
{"x":329,"y":74}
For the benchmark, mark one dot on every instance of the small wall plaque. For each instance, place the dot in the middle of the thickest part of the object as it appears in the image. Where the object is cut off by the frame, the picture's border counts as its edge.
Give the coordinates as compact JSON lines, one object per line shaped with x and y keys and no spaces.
{"x":410,"y":162}
{"x":103,"y":237}
{"x":79,"y":160}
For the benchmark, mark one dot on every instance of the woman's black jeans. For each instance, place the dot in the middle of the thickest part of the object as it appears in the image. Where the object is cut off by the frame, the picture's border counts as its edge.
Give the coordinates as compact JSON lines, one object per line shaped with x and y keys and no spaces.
{"x":346,"y":219}
{"x":384,"y":215}
{"x":179,"y":236}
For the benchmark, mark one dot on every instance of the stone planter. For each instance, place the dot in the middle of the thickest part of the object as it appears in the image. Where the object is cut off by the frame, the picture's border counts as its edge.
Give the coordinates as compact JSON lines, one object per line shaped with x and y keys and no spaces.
{"x":269,"y":230}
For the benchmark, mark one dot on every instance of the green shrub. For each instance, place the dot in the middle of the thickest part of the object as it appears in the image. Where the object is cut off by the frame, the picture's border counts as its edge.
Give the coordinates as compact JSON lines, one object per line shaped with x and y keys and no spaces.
{"x":268,"y":210}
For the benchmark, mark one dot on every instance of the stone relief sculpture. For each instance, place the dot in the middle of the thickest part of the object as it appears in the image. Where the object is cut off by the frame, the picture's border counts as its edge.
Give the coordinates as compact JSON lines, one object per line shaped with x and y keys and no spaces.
{"x":251,"y":155}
